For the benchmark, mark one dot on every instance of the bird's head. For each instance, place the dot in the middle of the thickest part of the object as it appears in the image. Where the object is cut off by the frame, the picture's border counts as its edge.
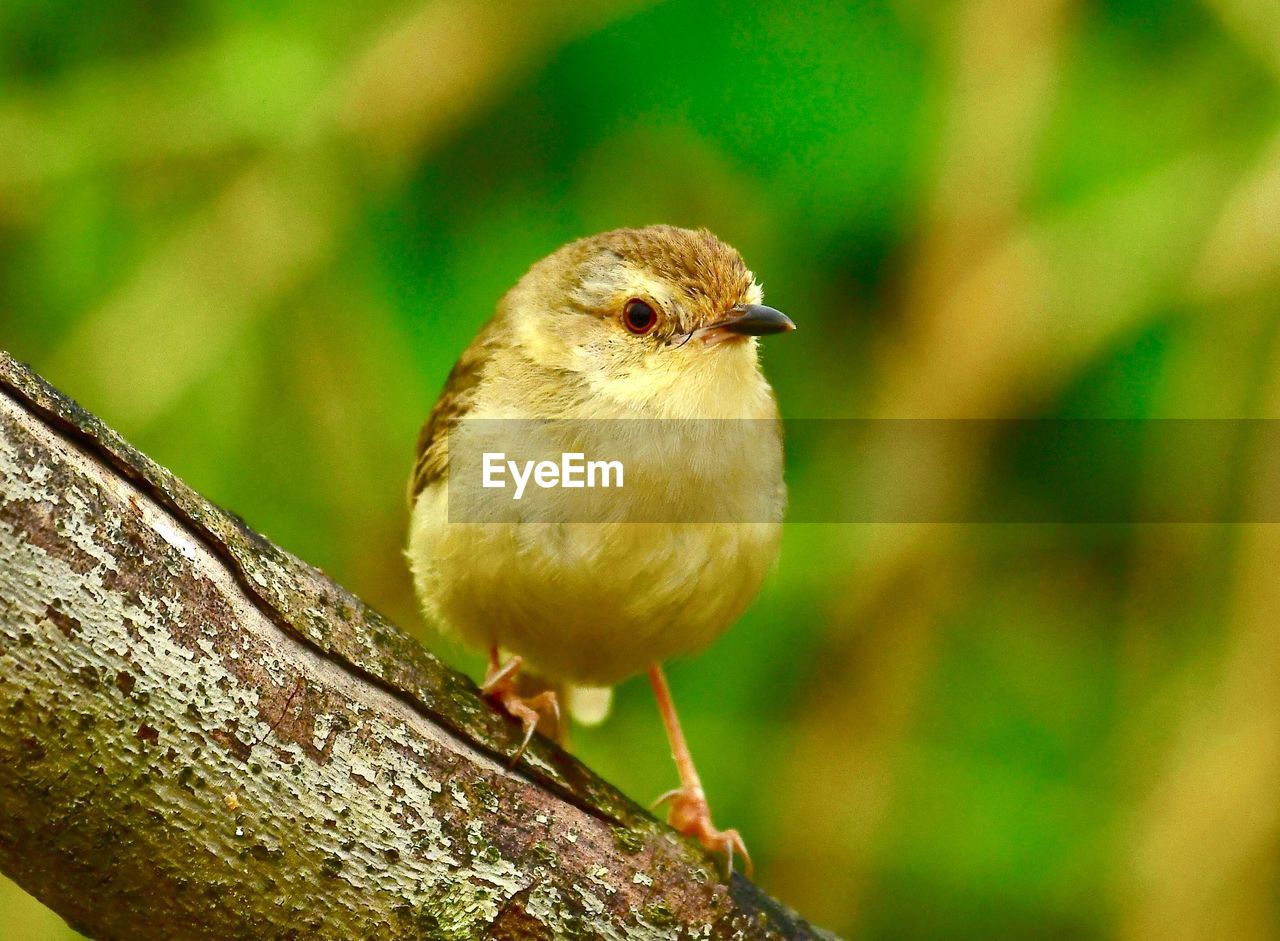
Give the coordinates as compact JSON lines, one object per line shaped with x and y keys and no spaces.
{"x":659,"y":318}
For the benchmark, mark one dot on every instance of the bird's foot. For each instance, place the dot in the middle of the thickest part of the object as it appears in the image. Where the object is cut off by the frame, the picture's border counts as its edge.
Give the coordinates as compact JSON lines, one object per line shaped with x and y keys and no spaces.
{"x":500,"y":686}
{"x":691,"y":816}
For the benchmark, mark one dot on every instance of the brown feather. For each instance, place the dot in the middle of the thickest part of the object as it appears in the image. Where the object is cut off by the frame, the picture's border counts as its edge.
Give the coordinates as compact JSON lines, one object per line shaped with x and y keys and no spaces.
{"x":431,"y":462}
{"x":711,"y":272}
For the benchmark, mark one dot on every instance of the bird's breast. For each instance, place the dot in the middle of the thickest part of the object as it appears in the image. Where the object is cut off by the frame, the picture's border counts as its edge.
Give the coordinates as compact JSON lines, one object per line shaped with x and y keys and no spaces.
{"x":593,"y":585}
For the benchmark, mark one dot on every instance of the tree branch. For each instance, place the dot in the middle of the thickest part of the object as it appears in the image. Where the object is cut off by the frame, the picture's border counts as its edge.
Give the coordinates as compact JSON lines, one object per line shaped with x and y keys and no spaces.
{"x":206,"y":738}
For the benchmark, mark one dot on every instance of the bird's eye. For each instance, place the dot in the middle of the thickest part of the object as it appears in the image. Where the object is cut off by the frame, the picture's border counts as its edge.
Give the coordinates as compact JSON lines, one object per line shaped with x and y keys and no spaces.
{"x":639,"y":317}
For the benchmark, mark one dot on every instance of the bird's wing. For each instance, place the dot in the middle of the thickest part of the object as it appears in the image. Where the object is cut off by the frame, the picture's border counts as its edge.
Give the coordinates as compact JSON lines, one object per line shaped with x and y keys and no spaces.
{"x":456,"y":399}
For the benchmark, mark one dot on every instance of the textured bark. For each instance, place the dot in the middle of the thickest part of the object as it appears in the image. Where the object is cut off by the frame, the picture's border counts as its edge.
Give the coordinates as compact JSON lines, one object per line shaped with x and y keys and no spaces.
{"x":204,"y":737}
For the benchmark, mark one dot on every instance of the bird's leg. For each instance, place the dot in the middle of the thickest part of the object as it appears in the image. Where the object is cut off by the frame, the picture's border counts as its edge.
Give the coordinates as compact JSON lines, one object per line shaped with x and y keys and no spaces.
{"x":500,"y":686}
{"x":689,"y":811}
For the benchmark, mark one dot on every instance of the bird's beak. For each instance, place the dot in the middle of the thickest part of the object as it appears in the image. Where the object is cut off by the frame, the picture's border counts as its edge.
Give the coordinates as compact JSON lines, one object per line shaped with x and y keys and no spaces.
{"x":749,"y":320}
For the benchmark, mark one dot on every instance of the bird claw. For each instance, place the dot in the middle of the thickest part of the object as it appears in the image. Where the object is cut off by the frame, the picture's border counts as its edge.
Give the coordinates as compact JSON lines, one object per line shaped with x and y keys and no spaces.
{"x":663,"y":798}
{"x":499,"y":686}
{"x":691,"y":816}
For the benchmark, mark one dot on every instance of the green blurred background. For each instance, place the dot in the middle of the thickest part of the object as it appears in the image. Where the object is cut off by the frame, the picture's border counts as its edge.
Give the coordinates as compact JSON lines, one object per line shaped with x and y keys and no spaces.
{"x":254,"y":237}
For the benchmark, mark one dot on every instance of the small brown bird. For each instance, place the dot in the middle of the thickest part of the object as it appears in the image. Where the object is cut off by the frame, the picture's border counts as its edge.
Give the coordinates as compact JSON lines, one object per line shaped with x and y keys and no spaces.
{"x":658,"y":323}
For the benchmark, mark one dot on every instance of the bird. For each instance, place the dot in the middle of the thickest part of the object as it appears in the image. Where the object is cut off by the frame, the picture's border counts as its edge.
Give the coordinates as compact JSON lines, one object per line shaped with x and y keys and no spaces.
{"x":658,"y":324}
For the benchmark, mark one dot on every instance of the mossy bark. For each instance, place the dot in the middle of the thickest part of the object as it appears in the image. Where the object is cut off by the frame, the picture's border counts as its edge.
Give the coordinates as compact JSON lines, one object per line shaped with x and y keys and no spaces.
{"x":205,"y":738}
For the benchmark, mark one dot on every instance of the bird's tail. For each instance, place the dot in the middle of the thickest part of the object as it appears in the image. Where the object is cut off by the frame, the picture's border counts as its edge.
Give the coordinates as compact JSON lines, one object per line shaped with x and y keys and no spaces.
{"x":589,"y":705}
